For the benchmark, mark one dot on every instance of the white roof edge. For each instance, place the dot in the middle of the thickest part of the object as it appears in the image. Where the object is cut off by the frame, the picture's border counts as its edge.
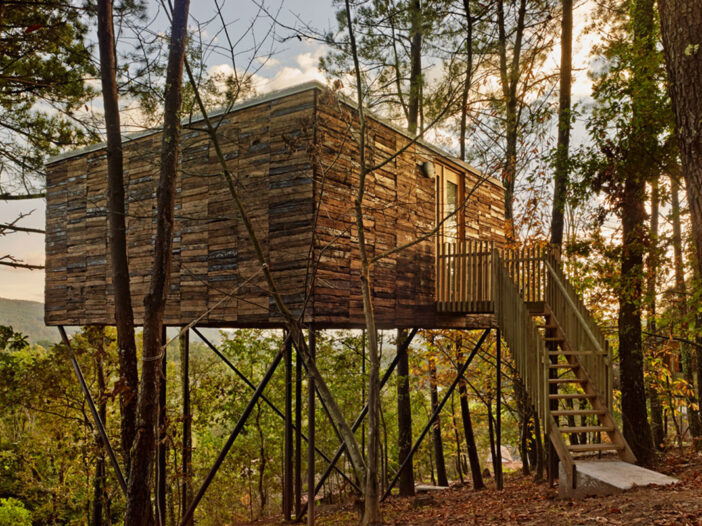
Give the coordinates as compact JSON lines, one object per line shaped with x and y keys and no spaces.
{"x":266,"y":97}
{"x":260,"y":99}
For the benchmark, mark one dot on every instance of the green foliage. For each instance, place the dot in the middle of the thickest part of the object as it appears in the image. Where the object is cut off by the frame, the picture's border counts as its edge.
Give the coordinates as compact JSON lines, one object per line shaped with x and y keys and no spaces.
{"x":43,"y":64}
{"x":13,"y":513}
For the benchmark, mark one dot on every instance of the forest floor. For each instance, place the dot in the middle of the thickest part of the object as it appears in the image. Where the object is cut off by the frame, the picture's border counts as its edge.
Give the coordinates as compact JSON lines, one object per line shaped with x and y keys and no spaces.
{"x":524,"y":502}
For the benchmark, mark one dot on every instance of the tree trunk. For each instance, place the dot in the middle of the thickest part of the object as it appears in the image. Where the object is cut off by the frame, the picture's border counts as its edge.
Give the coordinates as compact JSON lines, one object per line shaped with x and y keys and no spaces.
{"x":117,"y":238}
{"x":415,"y":92}
{"x":509,"y":79}
{"x":97,"y":341}
{"x":441,"y":477}
{"x":635,"y":421}
{"x":657,"y":430}
{"x":560,"y":183}
{"x":468,"y":80}
{"x":161,"y":446}
{"x":138,"y":503}
{"x":681,"y":27}
{"x":471,"y":449}
{"x":693,"y":415}
{"x":634,"y":416}
{"x":457,"y":438}
{"x":404,"y":419}
{"x":186,"y":488}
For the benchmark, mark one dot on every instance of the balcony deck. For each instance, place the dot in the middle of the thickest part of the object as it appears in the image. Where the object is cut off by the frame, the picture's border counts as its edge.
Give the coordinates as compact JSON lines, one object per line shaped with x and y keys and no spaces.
{"x":464,"y":283}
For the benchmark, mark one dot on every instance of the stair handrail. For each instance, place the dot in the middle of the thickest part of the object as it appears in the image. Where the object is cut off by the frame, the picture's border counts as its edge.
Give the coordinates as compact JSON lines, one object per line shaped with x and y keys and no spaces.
{"x":599,"y":367}
{"x":578,"y":314}
{"x":529,"y":352}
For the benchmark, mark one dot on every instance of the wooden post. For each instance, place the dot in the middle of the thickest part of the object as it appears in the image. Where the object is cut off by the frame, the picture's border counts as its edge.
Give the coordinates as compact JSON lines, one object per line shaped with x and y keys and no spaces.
{"x":298,"y":435}
{"x":310,"y":433}
{"x":161,"y":448}
{"x":187,"y":448}
{"x":288,"y":449}
{"x":498,"y":412}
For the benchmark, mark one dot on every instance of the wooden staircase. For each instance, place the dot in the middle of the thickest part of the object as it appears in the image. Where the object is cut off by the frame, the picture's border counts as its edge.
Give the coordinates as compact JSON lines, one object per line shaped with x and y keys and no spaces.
{"x":562,"y":357}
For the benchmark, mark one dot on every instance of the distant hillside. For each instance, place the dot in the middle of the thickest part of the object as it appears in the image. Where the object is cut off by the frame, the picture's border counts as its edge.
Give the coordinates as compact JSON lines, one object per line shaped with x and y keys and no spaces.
{"x":27,"y":317}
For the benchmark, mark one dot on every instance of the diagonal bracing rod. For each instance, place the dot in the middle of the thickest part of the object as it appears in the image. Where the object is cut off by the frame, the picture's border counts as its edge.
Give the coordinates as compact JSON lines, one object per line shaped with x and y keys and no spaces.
{"x":362,"y":415}
{"x":232,"y":437}
{"x":93,"y":410}
{"x":436,"y":412}
{"x":270,"y":404}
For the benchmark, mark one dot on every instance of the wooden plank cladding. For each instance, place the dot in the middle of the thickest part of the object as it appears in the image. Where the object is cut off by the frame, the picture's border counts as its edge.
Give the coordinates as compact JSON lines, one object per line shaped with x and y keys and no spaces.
{"x":465,"y":275}
{"x":294,"y":156}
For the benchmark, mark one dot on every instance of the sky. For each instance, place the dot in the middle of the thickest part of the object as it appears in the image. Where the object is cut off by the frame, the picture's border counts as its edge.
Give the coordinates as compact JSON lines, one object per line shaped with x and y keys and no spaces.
{"x":292,"y":62}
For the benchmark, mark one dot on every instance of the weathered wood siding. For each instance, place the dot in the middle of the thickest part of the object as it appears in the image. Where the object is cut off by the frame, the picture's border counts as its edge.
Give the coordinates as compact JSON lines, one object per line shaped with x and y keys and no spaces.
{"x":400,"y":202}
{"x":266,"y":147}
{"x":296,"y":166}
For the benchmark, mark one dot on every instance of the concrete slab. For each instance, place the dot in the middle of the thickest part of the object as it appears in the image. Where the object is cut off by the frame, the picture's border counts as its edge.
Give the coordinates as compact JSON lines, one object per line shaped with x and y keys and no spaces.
{"x":608,"y":477}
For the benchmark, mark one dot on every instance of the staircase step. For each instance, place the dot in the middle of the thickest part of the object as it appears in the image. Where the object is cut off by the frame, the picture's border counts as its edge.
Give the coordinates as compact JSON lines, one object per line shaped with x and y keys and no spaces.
{"x":585,"y":429}
{"x":566,"y":381}
{"x":554,"y":339}
{"x":577,"y":412}
{"x":581,"y":448}
{"x":563,"y":366}
{"x":570,"y":353}
{"x":546,"y":326}
{"x":570,"y":396}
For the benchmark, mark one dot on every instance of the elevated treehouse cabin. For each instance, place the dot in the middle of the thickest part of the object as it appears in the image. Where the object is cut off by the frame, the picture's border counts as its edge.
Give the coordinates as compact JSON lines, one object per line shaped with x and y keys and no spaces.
{"x":294,"y":155}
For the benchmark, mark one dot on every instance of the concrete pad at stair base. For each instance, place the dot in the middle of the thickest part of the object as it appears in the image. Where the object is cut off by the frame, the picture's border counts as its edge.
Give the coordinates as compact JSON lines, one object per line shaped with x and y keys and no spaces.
{"x":608,"y":477}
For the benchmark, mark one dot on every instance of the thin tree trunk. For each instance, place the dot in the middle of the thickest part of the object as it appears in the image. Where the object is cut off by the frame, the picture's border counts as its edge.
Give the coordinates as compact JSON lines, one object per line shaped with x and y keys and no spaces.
{"x":441,"y":477}
{"x":509,"y":78}
{"x":468,"y":80}
{"x":415,"y":13}
{"x":693,"y":415}
{"x":117,"y":238}
{"x":471,"y":449}
{"x":657,"y":430}
{"x":404,"y":419}
{"x":457,"y":438}
{"x":560,"y":186}
{"x":187,"y":446}
{"x":99,"y":491}
{"x":138,"y":504}
{"x":161,"y":446}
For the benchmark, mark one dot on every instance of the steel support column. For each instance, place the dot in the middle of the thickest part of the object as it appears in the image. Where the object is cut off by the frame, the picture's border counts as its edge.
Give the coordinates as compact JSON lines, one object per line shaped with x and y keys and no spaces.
{"x":311,"y":431}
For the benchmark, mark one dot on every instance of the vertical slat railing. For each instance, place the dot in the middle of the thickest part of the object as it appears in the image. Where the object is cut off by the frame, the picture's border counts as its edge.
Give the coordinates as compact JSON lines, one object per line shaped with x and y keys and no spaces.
{"x":463,"y":276}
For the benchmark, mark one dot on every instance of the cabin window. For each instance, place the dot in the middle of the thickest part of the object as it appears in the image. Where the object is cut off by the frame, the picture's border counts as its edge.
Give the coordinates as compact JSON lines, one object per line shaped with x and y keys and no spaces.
{"x":450,"y":195}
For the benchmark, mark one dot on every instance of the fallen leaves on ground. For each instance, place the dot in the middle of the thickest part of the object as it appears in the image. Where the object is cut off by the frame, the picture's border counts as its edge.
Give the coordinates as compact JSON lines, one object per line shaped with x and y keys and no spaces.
{"x":525,"y":502}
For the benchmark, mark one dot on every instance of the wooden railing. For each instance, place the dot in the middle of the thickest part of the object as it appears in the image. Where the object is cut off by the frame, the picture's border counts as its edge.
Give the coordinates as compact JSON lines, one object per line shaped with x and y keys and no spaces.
{"x":465,"y":280}
{"x":528,"y":350}
{"x":464,"y":275}
{"x":580,"y":328}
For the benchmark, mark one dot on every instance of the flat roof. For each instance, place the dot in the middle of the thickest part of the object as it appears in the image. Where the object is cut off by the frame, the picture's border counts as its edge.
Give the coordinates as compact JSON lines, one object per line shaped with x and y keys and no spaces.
{"x":267,"y":97}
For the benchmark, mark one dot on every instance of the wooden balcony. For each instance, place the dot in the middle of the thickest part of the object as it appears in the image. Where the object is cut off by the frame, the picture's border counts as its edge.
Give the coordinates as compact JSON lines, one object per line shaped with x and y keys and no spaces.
{"x":464,"y":281}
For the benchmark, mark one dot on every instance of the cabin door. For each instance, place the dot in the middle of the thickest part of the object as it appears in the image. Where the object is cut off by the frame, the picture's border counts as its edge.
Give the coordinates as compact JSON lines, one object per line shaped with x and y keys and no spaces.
{"x":450,"y":196}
